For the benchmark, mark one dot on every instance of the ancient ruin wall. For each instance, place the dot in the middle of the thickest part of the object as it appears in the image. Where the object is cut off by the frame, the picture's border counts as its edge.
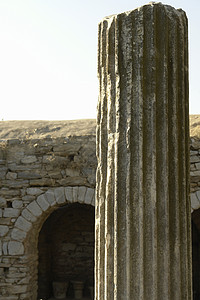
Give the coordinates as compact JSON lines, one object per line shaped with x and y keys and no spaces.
{"x":36,"y":177}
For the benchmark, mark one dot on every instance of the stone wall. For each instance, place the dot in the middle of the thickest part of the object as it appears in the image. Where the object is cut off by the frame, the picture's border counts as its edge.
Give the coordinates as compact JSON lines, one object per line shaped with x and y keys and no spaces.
{"x":195,"y":173}
{"x":37,"y":176}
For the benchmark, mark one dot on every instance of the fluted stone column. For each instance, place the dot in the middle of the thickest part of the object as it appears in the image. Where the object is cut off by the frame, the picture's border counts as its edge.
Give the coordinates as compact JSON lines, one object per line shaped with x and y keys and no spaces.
{"x":143,"y":247}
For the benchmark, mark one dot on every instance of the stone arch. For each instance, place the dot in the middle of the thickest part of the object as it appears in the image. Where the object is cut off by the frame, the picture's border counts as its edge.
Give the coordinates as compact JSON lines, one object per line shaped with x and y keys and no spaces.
{"x":38,"y":210}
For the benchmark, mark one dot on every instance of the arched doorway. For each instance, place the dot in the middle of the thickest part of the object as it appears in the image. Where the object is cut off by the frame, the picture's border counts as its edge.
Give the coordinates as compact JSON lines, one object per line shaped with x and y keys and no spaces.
{"x":196,"y":253}
{"x":66,"y":250}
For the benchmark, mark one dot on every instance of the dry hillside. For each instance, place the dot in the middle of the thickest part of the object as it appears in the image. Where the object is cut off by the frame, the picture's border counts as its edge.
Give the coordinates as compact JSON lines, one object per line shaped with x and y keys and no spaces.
{"x":43,"y":129}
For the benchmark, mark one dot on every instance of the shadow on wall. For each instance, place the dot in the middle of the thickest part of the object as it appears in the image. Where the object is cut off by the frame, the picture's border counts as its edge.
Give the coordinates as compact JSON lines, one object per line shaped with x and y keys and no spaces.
{"x":196,"y":254}
{"x":66,"y":251}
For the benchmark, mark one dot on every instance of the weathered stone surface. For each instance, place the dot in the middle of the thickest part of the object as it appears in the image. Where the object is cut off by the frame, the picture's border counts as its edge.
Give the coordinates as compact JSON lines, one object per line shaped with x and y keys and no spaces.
{"x":3,"y":202}
{"x":17,"y":204}
{"x":50,"y":197}
{"x":28,"y":215}
{"x":90,"y":193}
{"x":11,"y":212}
{"x":81,"y":193}
{"x":28,"y":198}
{"x":3,"y":230}
{"x":73,"y":181}
{"x":35,"y":209}
{"x":18,"y":235}
{"x":43,"y":203}
{"x":75,"y":193}
{"x":42,"y":182}
{"x":23,"y":224}
{"x":5,"y":248}
{"x":15,"y":248}
{"x":195,"y":204}
{"x":29,"y":159}
{"x":69,"y":193}
{"x":60,"y":195}
{"x":194,"y":159}
{"x":29,"y":175}
{"x":142,"y":203}
{"x":7,"y":192}
{"x":11,"y":175}
{"x":5,"y":221}
{"x":34,"y":191}
{"x":72,"y":172}
{"x":93,"y":201}
{"x":15,"y":183}
{"x":67,"y":148}
{"x":3,"y":171}
{"x":18,"y":289}
{"x":198,"y":195}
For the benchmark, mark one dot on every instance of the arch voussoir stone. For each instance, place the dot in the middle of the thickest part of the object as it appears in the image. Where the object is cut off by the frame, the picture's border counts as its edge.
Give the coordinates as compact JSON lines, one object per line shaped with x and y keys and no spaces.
{"x":195,"y":200}
{"x":60,"y":195}
{"x":50,"y":197}
{"x":42,"y":202}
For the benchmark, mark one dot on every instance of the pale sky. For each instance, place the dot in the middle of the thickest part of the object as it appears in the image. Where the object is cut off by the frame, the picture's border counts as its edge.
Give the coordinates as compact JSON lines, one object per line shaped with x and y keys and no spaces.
{"x":48,"y":56}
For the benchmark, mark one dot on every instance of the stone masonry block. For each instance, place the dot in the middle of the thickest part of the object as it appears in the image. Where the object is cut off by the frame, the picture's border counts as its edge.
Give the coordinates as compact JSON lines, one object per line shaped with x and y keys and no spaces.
{"x":5,"y":248}
{"x":15,"y":248}
{"x":60,"y":195}
{"x":75,"y":193}
{"x":29,"y":159}
{"x":89,"y":195}
{"x":50,"y":197}
{"x":81,"y":193}
{"x":3,"y":230}
{"x":11,"y":212}
{"x":18,"y":289}
{"x":69,"y":193}
{"x":197,"y":166}
{"x":93,"y":201}
{"x":34,"y":191}
{"x":198,"y":195}
{"x":28,"y":215}
{"x":35,"y":209}
{"x":11,"y":175}
{"x":2,"y":202}
{"x":195,"y":204}
{"x":18,"y":235}
{"x":41,"y":200}
{"x":23,"y":224}
{"x":17,"y":204}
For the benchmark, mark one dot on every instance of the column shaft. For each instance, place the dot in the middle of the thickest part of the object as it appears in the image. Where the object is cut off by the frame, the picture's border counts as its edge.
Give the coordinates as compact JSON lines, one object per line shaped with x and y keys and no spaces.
{"x":143,"y":247}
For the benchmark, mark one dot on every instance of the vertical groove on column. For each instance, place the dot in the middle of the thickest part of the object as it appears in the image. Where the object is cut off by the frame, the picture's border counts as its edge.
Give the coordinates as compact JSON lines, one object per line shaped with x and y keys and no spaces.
{"x":102,"y":166}
{"x":109,"y":204}
{"x":181,"y":153}
{"x":174,"y":231}
{"x":149,"y":156}
{"x":182,"y":163}
{"x":187,"y":163}
{"x":135,"y":236}
{"x":162,"y":200}
{"x":120,"y":173}
{"x":97,"y":213}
